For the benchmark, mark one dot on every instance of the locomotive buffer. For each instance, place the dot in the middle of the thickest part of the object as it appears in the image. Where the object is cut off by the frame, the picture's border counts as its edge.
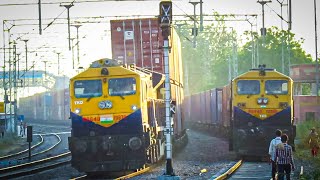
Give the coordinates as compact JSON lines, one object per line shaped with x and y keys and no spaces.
{"x":165,"y":19}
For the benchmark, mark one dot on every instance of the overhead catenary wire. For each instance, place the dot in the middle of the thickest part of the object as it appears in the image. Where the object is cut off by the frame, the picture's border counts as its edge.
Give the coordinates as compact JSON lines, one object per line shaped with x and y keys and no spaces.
{"x":65,"y":2}
{"x":58,"y":16}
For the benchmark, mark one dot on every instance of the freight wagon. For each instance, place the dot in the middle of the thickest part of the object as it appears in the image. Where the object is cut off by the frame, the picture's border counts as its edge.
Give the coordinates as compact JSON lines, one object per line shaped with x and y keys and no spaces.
{"x":51,"y":105}
{"x":209,"y":110}
{"x":139,"y":42}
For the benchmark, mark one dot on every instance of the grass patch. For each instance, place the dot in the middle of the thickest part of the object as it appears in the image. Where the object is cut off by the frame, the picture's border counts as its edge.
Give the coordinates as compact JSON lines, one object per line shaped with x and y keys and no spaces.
{"x":9,"y":143}
{"x":303,"y":149}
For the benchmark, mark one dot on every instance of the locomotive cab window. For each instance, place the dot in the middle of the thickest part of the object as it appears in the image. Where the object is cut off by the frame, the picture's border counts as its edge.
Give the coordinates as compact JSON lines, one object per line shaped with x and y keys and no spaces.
{"x":248,"y":87}
{"x":87,"y":88}
{"x":122,"y":86}
{"x":276,"y":87}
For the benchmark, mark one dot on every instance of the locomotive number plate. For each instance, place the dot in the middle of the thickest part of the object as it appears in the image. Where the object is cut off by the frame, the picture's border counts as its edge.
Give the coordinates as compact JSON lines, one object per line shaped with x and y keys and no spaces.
{"x":118,"y":117}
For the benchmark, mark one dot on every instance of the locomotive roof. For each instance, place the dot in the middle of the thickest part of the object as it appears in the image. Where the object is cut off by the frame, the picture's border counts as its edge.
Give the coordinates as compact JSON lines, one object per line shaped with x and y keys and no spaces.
{"x":255,"y":73}
{"x":114,"y":69}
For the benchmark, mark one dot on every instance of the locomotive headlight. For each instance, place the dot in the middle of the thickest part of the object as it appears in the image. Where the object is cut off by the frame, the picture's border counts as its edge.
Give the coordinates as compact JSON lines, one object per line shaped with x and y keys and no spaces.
{"x":265,"y":100}
{"x":259,"y":100}
{"x":135,"y":143}
{"x":108,"y":104}
{"x":77,"y":110}
{"x":134,"y":107}
{"x":102,"y":105}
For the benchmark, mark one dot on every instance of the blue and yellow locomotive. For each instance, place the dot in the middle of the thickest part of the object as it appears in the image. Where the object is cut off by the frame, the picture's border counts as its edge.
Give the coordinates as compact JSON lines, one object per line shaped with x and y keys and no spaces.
{"x":117,"y":114}
{"x":262,"y":101}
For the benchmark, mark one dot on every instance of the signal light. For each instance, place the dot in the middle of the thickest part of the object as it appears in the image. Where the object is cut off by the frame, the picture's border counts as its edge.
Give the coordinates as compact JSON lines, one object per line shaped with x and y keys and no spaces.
{"x":29,"y":133}
{"x":165,"y":17}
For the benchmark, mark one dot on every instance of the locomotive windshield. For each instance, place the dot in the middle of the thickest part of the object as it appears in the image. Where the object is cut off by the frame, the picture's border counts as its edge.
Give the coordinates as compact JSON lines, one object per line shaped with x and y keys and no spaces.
{"x":87,"y":88}
{"x":276,"y":87}
{"x":122,"y":86}
{"x":248,"y":87}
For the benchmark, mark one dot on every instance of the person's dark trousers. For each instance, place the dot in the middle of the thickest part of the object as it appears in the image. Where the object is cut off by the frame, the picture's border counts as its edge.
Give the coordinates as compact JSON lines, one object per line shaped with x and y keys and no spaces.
{"x":274,"y":169}
{"x":284,"y":169}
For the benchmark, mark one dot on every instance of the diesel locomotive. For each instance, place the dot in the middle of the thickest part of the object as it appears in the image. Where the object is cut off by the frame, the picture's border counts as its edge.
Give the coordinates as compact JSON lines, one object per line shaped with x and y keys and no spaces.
{"x":117,"y":115}
{"x":262,"y":101}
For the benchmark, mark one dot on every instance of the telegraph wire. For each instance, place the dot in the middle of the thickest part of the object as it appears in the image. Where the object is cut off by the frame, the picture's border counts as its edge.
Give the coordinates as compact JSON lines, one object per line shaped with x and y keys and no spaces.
{"x":86,"y":1}
{"x":277,"y":14}
{"x":57,"y":16}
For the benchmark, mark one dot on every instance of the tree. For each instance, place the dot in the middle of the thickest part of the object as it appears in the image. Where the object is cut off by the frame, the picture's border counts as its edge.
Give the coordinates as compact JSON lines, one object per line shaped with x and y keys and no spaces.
{"x":268,"y":50}
{"x":205,"y":66}
{"x":217,"y":58}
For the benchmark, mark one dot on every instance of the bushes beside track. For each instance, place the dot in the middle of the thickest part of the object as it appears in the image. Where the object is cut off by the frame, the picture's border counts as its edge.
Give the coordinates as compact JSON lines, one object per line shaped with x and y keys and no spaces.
{"x":303,"y":155}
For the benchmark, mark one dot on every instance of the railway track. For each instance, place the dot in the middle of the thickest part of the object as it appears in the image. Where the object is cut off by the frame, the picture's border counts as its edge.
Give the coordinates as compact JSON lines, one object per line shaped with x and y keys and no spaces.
{"x":128,"y":176}
{"x":35,"y":166}
{"x":43,"y":147}
{"x":23,"y":151}
{"x":247,"y":170}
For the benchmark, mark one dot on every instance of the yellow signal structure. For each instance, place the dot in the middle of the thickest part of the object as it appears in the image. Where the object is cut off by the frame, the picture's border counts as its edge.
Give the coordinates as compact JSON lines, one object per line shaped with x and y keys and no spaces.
{"x":1,"y":107}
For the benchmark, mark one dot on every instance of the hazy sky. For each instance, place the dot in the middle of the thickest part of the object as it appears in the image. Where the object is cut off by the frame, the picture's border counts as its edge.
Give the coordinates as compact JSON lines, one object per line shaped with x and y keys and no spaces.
{"x":94,"y":41}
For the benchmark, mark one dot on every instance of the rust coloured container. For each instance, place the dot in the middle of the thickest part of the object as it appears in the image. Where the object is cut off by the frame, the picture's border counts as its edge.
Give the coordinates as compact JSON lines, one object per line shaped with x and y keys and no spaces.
{"x":140,"y":42}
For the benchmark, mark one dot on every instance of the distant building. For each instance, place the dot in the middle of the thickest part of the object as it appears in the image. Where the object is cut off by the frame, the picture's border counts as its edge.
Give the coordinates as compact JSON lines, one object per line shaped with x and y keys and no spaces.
{"x":306,"y":101}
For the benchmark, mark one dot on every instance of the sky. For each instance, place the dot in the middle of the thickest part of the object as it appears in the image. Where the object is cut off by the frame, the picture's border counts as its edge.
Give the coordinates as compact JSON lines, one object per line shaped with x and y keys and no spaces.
{"x":95,"y":37}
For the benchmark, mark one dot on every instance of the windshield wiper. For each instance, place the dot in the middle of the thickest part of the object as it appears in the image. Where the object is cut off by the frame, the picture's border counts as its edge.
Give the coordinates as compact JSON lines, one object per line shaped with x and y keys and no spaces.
{"x":89,"y":98}
{"x":274,"y":95}
{"x":122,"y":97}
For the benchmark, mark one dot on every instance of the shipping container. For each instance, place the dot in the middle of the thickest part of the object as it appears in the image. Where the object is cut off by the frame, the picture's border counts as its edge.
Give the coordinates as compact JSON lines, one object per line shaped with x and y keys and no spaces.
{"x":137,"y":41}
{"x":140,"y":42}
{"x":209,"y":110}
{"x":52,"y":105}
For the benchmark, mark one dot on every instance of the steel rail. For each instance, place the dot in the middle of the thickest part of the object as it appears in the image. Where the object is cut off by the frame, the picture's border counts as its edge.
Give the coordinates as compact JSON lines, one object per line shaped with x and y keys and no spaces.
{"x":228,"y":172}
{"x":20,"y":166}
{"x":21,"y":152}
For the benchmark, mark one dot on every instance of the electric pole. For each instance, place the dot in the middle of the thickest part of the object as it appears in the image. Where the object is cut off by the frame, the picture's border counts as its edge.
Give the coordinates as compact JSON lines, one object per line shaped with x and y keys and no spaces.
{"x":58,"y":53}
{"x":78,"y":48}
{"x":39,"y":7}
{"x":26,"y":48}
{"x":68,"y":11}
{"x":195,"y":29}
{"x":316,"y":47}
{"x":263,"y":29}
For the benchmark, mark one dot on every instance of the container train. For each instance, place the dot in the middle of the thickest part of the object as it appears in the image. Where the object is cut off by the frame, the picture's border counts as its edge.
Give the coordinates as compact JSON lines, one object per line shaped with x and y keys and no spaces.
{"x":52,"y":105}
{"x":248,"y":110}
{"x":116,"y":105}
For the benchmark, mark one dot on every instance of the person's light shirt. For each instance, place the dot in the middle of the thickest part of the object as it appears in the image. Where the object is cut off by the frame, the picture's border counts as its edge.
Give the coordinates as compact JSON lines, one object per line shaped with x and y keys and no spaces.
{"x":272,"y":148}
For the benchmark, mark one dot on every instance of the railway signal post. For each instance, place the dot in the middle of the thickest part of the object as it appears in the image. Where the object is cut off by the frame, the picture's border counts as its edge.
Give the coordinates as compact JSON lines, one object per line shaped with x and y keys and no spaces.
{"x":29,"y":139}
{"x":165,"y":20}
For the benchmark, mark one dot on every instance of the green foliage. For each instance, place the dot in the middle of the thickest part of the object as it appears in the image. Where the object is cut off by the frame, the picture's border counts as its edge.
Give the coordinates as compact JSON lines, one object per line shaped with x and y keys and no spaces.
{"x":218,"y":56}
{"x":207,"y":65}
{"x":303,"y":150}
{"x":270,"y":50}
{"x":303,"y":129}
{"x":306,"y":88}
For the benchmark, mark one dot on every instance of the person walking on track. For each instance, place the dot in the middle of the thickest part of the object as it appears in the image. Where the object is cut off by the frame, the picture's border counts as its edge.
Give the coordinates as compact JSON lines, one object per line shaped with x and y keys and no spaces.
{"x":284,"y":158}
{"x":272,"y":152}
